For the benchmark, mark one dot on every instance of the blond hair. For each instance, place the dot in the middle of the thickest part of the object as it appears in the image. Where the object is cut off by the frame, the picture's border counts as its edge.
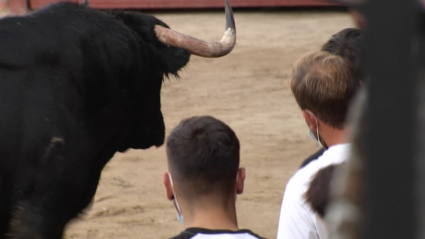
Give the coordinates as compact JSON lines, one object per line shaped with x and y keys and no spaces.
{"x":324,"y":84}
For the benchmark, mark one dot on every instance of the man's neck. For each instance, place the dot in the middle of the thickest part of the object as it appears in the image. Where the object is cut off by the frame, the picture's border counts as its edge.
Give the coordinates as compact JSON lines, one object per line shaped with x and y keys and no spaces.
{"x":214,"y":218}
{"x":333,"y":136}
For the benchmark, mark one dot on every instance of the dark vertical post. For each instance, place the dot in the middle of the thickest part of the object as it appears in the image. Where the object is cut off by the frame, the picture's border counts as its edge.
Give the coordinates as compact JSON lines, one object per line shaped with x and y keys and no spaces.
{"x":390,"y":142}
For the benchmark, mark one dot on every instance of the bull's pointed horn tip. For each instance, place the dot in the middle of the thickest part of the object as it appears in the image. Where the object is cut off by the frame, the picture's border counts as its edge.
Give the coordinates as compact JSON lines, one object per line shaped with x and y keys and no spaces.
{"x":230,"y":20}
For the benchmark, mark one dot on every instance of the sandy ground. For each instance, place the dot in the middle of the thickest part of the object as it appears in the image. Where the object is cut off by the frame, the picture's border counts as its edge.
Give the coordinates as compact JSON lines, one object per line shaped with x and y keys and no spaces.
{"x":248,"y":90}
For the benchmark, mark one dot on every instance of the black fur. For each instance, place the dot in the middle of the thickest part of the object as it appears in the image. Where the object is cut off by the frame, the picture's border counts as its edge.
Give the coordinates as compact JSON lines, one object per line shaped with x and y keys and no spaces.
{"x":318,"y":194}
{"x":76,"y":85}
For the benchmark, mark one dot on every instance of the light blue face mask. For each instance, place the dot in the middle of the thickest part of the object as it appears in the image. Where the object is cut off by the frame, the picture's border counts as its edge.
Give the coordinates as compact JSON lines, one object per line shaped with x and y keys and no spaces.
{"x":180,"y":218}
{"x":312,"y":137}
{"x":176,"y":203}
{"x":311,"y":134}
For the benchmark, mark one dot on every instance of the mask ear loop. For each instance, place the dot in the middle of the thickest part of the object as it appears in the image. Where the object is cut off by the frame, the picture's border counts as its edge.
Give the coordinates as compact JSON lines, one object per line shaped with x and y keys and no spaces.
{"x":180,"y":215}
{"x":317,"y":133}
{"x":236,"y":185}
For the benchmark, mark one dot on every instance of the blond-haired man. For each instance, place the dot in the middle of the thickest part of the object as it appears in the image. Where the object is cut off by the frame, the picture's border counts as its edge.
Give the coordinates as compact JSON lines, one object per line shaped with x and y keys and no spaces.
{"x":323,"y":85}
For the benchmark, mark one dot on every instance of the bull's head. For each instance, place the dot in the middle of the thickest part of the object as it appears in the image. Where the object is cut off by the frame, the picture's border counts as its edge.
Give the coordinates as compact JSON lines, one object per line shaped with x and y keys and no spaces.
{"x":168,"y":51}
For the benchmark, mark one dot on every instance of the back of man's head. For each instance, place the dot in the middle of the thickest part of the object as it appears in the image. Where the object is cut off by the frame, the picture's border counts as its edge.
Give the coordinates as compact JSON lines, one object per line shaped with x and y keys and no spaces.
{"x":203,"y":159}
{"x":324,"y":84}
{"x":347,"y":43}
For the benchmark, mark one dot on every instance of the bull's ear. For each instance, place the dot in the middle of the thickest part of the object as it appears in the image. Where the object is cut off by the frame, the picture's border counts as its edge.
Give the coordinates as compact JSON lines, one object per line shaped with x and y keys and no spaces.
{"x":173,"y":59}
{"x":168,"y":59}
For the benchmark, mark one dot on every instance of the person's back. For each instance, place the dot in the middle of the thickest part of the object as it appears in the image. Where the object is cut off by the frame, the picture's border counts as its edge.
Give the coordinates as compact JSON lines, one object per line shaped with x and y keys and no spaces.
{"x":204,"y":177}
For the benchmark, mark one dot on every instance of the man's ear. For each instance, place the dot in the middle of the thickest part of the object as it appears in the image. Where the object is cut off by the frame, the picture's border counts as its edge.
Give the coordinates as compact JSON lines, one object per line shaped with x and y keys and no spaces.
{"x":168,"y":187}
{"x":240,"y":181}
{"x":309,"y":118}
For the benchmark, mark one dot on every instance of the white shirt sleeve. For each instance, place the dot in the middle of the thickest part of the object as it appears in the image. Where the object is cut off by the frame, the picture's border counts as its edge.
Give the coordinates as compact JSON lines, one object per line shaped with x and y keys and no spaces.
{"x":296,"y":219}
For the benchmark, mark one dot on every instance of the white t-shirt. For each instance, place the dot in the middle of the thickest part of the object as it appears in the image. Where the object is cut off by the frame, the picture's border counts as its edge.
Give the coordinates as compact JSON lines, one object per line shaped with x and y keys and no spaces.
{"x":297,"y":220}
{"x":202,"y":233}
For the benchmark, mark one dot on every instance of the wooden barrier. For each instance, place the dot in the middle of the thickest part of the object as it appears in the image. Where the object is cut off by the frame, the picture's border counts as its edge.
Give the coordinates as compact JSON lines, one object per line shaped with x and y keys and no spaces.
{"x":18,"y":7}
{"x":3,"y":5}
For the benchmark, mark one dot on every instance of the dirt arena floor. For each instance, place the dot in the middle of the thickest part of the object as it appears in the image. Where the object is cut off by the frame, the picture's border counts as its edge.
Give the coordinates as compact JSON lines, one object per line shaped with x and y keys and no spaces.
{"x":249,"y":90}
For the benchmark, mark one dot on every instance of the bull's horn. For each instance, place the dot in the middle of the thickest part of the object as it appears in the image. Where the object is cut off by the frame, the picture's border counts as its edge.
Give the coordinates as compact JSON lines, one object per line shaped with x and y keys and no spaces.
{"x":200,"y":47}
{"x":86,"y":3}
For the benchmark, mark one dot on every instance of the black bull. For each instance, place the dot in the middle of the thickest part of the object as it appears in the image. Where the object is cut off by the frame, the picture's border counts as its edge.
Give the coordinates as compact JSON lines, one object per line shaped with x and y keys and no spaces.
{"x":76,"y":86}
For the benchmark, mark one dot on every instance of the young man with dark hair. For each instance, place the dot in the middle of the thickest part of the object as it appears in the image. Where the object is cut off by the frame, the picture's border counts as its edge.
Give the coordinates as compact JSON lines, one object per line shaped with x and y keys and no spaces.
{"x":346,"y":43}
{"x":204,"y":177}
{"x":323,"y":85}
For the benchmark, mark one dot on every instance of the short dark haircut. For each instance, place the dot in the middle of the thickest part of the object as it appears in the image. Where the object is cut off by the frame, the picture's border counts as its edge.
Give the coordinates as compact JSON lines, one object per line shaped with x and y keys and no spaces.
{"x":203,"y":157}
{"x":347,"y":43}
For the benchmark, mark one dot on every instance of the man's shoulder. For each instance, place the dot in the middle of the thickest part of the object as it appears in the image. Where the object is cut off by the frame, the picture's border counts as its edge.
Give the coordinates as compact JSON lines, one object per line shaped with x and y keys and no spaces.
{"x":334,"y":155}
{"x":301,"y":178}
{"x":312,"y":157}
{"x":182,"y":235}
{"x":202,"y":233}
